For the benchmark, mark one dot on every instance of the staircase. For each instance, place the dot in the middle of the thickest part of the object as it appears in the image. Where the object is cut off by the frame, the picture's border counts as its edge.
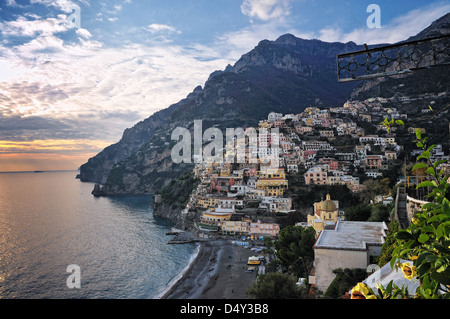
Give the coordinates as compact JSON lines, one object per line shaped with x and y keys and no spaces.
{"x":401,"y":213}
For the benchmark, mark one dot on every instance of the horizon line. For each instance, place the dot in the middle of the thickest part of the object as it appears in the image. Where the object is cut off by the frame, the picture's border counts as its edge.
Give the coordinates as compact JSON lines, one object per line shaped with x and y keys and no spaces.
{"x":43,"y":171}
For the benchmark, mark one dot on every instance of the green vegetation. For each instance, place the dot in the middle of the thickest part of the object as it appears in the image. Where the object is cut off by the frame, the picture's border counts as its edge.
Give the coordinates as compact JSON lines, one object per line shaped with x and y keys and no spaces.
{"x":294,"y":249}
{"x":427,"y":239}
{"x":177,"y":192}
{"x":344,"y":281}
{"x":375,"y":213}
{"x":275,"y":285}
{"x":389,"y":245}
{"x":426,"y":242}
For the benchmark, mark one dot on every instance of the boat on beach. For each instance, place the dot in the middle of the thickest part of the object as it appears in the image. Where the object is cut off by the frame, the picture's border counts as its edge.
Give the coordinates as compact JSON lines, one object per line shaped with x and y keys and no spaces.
{"x":253,"y":260}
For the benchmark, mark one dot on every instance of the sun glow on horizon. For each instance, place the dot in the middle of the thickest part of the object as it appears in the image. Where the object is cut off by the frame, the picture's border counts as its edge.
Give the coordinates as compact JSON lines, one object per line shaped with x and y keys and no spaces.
{"x":47,"y":154}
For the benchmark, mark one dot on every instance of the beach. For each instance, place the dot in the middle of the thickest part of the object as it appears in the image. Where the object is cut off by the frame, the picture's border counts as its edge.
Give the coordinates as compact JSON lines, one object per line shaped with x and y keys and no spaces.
{"x":218,"y":272}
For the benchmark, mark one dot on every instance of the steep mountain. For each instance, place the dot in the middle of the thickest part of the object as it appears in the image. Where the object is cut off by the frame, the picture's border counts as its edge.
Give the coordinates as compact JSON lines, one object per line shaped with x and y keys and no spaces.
{"x":285,"y":75}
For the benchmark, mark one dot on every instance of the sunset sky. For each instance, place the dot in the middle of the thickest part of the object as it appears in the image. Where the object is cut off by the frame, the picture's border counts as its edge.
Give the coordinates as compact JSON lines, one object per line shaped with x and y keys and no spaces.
{"x":67,"y":91}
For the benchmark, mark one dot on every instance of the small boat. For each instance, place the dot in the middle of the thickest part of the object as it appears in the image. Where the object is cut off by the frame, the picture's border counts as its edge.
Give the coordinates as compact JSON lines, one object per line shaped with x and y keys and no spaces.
{"x":254,"y":260}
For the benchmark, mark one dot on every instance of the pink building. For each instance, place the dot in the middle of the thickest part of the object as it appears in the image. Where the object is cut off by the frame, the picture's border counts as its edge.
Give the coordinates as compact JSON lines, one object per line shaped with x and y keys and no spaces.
{"x":259,"y":229}
{"x":316,"y":175}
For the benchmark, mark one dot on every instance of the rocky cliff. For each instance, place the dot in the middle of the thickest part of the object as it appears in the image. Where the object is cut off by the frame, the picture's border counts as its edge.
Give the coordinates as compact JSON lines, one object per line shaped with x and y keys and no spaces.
{"x":285,"y":75}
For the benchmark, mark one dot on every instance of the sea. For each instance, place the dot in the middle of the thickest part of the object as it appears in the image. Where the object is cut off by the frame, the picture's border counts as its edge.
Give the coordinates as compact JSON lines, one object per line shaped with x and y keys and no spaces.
{"x":58,"y":241}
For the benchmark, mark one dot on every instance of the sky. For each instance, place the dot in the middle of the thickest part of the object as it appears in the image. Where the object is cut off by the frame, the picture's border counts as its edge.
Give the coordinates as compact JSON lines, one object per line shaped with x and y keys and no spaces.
{"x":75,"y":73}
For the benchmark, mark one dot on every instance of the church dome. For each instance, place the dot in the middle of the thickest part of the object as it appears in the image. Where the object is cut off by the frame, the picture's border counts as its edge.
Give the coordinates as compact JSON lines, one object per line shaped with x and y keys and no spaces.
{"x":328,"y":205}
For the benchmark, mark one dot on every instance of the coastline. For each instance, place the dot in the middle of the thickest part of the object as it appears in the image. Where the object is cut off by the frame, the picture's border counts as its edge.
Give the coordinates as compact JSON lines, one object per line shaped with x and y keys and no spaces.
{"x":216,"y":272}
{"x":170,"y":285}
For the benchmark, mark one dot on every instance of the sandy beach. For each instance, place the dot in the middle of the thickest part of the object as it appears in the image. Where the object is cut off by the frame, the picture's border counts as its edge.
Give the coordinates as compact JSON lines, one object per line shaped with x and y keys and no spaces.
{"x":218,"y":272}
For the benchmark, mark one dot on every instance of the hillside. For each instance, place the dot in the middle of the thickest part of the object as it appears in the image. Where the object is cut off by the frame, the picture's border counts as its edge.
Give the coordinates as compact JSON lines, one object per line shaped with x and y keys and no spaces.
{"x":286,"y":76}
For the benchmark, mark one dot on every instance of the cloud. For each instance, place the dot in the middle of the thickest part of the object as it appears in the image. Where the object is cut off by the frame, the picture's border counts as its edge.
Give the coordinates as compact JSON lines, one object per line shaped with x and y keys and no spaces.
{"x":70,"y":90}
{"x":398,"y":29}
{"x":64,"y":5}
{"x":32,"y":28}
{"x":157,"y":28}
{"x":266,"y":10}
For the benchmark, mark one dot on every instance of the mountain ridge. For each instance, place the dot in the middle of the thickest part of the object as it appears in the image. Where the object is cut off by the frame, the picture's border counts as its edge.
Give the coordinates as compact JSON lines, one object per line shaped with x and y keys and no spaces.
{"x":285,"y":75}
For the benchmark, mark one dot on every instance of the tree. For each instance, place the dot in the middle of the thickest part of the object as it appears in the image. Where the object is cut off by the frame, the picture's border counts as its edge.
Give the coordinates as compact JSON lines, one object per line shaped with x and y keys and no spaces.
{"x":344,"y":281}
{"x":379,"y":213}
{"x":275,"y":285}
{"x":358,"y":213}
{"x":295,"y":249}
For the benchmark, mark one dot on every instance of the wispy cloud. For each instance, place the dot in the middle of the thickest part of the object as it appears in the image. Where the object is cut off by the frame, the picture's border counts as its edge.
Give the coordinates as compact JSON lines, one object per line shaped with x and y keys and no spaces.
{"x":399,"y":29}
{"x":157,"y":28}
{"x":266,"y":10}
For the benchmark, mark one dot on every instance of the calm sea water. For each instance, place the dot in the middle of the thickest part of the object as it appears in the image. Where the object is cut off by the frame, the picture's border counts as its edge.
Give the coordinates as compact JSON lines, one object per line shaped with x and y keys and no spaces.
{"x":50,"y":220}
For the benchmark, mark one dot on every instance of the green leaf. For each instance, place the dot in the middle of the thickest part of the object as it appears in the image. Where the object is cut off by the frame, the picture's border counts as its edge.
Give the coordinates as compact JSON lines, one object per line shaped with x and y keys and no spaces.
{"x":423,"y":238}
{"x":442,"y":277}
{"x":423,"y":268}
{"x":441,"y":265}
{"x":440,"y":232}
{"x":389,"y":286}
{"x":418,"y":134}
{"x":405,"y":235}
{"x":419,"y":165}
{"x":446,"y":206}
{"x":399,"y":122}
{"x":428,"y":229}
{"x":430,"y":171}
{"x":438,"y":163}
{"x":425,"y":155}
{"x":427,"y":184}
{"x":431,"y":147}
{"x":431,"y":258}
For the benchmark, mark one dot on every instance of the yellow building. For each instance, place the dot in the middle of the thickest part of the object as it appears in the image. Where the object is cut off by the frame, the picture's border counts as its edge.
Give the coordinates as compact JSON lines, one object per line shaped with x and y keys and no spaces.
{"x":215,"y":218}
{"x":325,"y":214}
{"x":225,"y":171}
{"x":235,"y":227}
{"x":207,"y":202}
{"x":272,"y":186}
{"x":273,"y":173}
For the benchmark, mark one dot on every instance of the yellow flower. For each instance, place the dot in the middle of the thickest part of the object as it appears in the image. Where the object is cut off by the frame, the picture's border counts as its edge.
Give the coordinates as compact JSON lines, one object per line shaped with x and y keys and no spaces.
{"x":414,"y":221}
{"x":409,"y":271}
{"x":361,"y":291}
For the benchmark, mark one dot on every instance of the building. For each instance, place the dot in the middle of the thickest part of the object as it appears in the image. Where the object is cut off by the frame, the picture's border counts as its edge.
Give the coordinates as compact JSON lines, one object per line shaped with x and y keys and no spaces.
{"x":349,"y":245}
{"x":272,"y":186}
{"x":390,"y":155}
{"x":374,"y":161}
{"x":273,"y":182}
{"x":272,"y":117}
{"x":216,"y":217}
{"x":326,"y":133}
{"x":325,"y":214}
{"x":386,"y":274}
{"x":260,"y":230}
{"x":316,"y":175}
{"x":235,"y":227}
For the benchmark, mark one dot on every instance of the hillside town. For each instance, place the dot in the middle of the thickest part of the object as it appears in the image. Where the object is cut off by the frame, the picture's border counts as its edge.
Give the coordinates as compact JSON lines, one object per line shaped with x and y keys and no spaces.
{"x":316,"y":147}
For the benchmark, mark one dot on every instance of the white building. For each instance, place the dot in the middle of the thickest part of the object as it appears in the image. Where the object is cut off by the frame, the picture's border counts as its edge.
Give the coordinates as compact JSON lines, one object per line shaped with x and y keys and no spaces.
{"x":349,"y":245}
{"x":272,"y":117}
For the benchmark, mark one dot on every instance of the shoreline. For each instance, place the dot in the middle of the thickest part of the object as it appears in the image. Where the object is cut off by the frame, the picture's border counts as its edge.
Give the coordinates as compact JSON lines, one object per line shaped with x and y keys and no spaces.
{"x":218,"y":271}
{"x":172,"y":283}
